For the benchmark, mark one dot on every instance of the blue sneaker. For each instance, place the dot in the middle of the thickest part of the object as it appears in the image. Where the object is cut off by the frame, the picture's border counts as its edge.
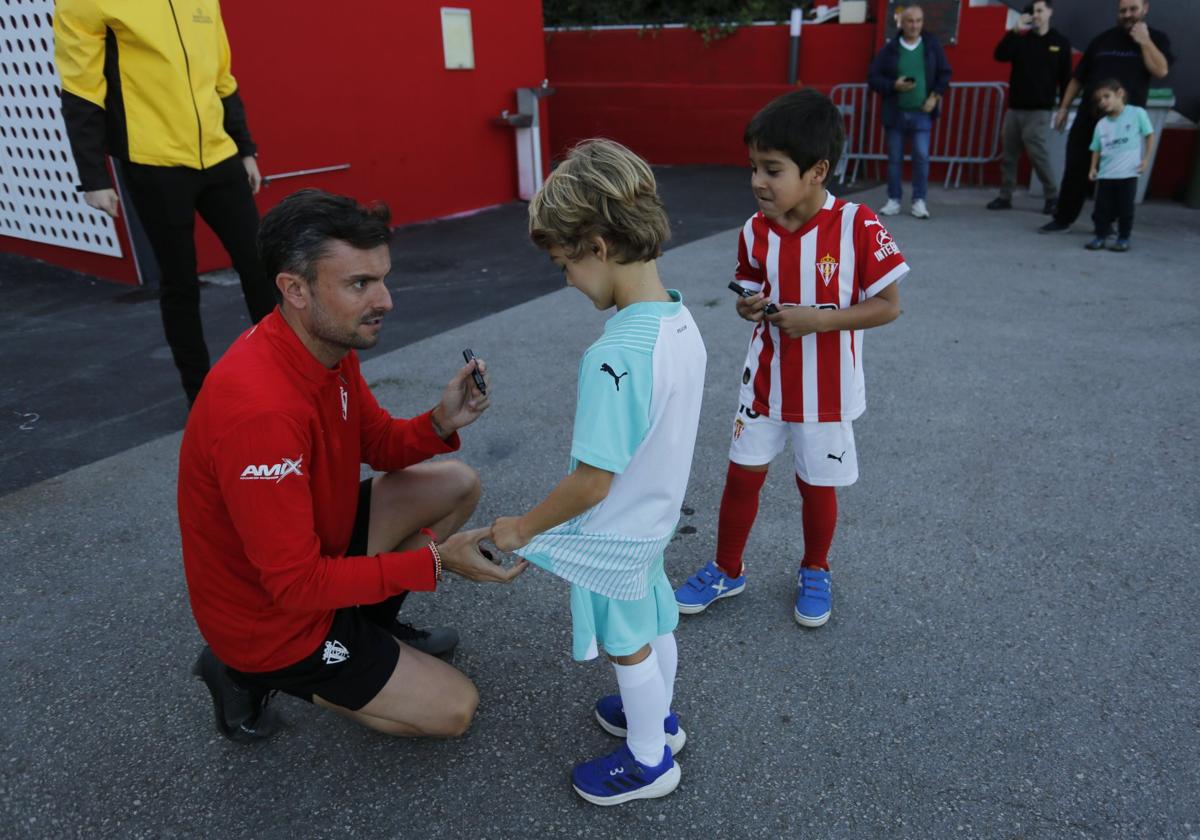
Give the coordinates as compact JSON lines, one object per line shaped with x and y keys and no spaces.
{"x":706,"y":586}
{"x":1121,"y":245}
{"x":1097,"y":244}
{"x":610,"y":714}
{"x":814,"y":597}
{"x":619,"y":777}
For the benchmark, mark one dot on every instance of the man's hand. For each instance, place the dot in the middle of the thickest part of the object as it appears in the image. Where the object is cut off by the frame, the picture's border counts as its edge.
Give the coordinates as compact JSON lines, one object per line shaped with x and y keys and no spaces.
{"x":1140,"y":33}
{"x":1093,"y":173}
{"x":462,"y":403}
{"x":506,"y":533}
{"x":751,"y":308}
{"x":104,"y":200}
{"x":930,"y":103}
{"x":904,"y":85}
{"x":798,"y":321}
{"x":1060,"y":120}
{"x":252,"y":173}
{"x":1024,"y":24}
{"x":1142,"y":166}
{"x":461,"y":555}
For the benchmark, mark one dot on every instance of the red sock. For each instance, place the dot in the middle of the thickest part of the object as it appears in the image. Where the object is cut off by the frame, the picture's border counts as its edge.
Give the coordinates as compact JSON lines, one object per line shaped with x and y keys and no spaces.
{"x":819,"y":514}
{"x":739,"y":506}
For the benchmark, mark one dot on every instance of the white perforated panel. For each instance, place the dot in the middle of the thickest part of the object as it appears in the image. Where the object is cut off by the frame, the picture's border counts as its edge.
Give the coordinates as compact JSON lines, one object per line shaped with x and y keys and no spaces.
{"x":38,"y":199}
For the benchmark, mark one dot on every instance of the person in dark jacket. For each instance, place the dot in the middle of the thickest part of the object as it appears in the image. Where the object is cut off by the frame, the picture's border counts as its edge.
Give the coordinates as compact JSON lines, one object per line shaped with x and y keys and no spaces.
{"x":1041,"y":70}
{"x":150,"y":85}
{"x":912,"y":75}
{"x":1133,"y":54}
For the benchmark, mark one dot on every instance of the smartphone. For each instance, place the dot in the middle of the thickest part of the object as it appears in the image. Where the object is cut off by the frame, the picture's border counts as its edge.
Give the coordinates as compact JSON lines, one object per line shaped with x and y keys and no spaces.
{"x":734,"y":286}
{"x":475,"y":374}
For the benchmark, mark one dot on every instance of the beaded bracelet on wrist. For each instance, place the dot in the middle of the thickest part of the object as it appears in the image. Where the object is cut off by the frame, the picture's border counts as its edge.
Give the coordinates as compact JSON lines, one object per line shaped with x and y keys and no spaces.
{"x":437,"y":554}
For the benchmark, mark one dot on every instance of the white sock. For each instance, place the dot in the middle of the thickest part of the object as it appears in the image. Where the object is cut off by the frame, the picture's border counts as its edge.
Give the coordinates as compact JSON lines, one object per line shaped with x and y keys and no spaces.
{"x":668,"y":660}
{"x":645,"y":702}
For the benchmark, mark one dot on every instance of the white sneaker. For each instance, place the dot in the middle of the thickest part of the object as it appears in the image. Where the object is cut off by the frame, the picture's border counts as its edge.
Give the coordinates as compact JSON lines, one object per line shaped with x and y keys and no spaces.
{"x":919,"y":209}
{"x":891,"y":208}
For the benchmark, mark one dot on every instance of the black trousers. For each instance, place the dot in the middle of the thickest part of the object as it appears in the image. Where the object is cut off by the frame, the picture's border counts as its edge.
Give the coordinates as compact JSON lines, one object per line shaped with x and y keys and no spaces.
{"x":167,"y":199}
{"x":1076,"y":187}
{"x":1115,"y":200}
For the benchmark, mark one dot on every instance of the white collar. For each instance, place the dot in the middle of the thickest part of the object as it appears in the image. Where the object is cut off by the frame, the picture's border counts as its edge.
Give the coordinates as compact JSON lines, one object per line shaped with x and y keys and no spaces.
{"x":906,"y":46}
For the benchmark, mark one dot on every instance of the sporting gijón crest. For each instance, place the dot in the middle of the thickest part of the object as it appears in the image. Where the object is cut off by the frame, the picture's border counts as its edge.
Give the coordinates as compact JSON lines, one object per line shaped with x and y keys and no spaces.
{"x":827,"y":266}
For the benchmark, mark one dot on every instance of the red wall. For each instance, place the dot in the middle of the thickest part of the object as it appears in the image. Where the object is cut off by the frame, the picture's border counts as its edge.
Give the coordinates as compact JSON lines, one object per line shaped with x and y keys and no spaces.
{"x":677,"y":101}
{"x":367,"y":86}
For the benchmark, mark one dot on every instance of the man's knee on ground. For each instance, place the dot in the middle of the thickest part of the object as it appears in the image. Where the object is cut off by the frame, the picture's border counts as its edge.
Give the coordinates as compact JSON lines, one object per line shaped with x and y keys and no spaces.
{"x":462,"y":712}
{"x":456,"y":712}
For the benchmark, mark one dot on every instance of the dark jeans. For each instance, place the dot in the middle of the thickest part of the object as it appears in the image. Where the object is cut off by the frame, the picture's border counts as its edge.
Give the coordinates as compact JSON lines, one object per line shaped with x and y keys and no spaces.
{"x":917,"y":125}
{"x":1115,"y":200}
{"x":1075,"y":184}
{"x":167,"y":199}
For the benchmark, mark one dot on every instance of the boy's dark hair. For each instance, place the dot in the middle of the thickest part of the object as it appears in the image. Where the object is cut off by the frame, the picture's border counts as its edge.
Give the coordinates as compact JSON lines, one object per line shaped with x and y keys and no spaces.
{"x":804,"y":124}
{"x":1108,"y":84}
{"x":296,"y":232}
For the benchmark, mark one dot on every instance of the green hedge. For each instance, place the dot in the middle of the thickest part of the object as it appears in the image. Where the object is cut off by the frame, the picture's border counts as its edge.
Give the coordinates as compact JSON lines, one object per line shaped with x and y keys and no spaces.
{"x":712,"y":18}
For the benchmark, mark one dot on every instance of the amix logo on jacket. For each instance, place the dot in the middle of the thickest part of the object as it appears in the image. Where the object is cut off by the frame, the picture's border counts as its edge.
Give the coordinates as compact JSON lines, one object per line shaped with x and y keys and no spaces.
{"x":278,"y":472}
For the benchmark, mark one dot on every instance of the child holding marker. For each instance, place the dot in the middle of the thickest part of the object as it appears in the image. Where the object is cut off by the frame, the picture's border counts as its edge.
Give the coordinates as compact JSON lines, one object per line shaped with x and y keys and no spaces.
{"x":819,"y":271}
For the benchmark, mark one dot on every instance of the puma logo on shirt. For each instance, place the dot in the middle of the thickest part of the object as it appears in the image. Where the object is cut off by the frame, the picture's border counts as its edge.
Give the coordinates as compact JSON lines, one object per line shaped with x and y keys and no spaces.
{"x":607,"y":368}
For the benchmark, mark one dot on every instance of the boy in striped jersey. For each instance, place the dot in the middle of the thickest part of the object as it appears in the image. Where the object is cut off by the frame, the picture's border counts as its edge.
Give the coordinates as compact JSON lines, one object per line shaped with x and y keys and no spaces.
{"x":605,"y":525}
{"x":821,"y":270}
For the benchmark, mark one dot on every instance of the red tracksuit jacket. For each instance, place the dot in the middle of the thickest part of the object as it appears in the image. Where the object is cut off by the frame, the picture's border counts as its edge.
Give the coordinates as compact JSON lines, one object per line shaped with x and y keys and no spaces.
{"x":268,"y":488}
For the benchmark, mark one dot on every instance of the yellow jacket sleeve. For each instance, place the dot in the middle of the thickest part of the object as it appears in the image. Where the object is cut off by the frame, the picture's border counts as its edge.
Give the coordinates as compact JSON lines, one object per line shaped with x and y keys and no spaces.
{"x":226,"y":84}
{"x":79,"y":49}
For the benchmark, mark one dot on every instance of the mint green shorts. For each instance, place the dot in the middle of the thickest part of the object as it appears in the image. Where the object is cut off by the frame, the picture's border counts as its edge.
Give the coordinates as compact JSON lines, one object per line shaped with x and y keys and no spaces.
{"x":622,"y":627}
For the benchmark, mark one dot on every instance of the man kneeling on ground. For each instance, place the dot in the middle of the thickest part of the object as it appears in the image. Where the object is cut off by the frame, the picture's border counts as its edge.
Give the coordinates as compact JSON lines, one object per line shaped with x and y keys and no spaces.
{"x":295,"y":569}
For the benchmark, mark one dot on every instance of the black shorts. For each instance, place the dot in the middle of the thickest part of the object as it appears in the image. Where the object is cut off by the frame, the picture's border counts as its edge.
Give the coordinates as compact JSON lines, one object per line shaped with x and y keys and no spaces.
{"x":357,"y":657}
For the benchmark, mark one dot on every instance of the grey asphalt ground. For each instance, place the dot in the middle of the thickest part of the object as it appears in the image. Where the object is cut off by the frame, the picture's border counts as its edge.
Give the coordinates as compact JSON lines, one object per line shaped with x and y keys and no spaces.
{"x":69,"y":340}
{"x":1013,"y":650}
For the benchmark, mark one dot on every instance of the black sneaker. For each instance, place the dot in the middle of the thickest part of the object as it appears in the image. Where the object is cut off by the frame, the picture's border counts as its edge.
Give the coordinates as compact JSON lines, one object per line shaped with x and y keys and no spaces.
{"x":1000,"y":204}
{"x":1050,"y":207}
{"x":1053,"y":226}
{"x":436,"y":641}
{"x":241,"y":714}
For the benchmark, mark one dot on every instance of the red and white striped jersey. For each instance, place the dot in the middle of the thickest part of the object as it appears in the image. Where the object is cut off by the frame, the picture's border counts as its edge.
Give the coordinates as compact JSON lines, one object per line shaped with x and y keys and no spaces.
{"x":843,"y":255}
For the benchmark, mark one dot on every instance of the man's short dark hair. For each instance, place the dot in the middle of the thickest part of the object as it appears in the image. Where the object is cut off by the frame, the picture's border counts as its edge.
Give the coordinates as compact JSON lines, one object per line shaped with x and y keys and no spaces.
{"x":296,"y":232}
{"x":803,"y":124}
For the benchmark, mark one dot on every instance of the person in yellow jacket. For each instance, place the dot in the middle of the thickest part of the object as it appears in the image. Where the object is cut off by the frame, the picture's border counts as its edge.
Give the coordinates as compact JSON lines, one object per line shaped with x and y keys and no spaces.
{"x":149,"y":83}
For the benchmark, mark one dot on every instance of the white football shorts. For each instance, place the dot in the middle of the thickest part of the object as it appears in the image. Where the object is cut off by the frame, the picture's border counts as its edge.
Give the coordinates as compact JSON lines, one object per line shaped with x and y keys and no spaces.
{"x":824,"y":452}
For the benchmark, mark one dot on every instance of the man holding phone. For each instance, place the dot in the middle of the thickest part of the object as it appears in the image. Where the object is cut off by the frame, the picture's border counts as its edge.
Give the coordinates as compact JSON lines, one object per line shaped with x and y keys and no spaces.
{"x":912,"y":75}
{"x":295,"y":568}
{"x":1041,"y":70}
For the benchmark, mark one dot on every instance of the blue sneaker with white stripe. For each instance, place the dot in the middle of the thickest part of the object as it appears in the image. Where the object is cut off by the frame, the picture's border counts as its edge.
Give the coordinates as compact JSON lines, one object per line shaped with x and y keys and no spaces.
{"x":707,"y":585}
{"x":814,"y":597}
{"x":619,"y":777}
{"x":610,"y":714}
